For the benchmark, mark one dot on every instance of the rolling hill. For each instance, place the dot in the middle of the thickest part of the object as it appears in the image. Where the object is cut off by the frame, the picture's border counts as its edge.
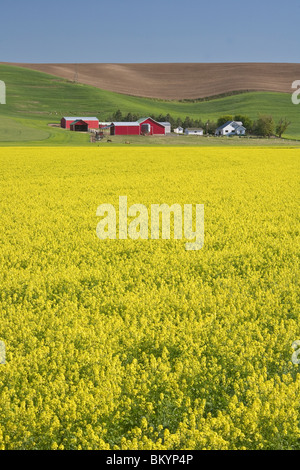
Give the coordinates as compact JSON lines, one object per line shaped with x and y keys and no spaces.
{"x":36,"y":99}
{"x":178,"y":81}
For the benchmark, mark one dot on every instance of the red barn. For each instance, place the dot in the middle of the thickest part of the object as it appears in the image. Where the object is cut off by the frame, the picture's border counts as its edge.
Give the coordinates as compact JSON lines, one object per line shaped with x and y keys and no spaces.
{"x":125,"y":128}
{"x":92,"y":122}
{"x":149,"y":126}
{"x":144,"y":126}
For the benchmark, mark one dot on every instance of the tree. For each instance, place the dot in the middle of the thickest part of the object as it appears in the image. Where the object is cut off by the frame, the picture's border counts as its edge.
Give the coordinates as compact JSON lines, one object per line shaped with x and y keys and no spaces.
{"x":118,"y":116}
{"x":210,"y":127}
{"x":247,"y":122}
{"x":282,"y":126}
{"x":264,"y":126}
{"x":178,"y":122}
{"x":129,"y":118}
{"x":171,"y":120}
{"x":199,"y":123}
{"x":188,"y":122}
{"x":224,"y":119}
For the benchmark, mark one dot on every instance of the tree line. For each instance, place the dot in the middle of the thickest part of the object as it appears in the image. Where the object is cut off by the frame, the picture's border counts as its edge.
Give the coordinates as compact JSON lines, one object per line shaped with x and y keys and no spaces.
{"x":264,"y":126}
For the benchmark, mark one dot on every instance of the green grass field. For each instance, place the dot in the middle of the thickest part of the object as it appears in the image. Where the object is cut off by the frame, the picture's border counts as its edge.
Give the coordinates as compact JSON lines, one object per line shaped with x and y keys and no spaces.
{"x":35,"y":99}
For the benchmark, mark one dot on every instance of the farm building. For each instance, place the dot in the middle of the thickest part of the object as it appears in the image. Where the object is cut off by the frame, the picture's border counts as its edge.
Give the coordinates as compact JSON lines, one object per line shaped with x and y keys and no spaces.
{"x":178,"y":130}
{"x":124,"y":128}
{"x":167,"y":126}
{"x":149,"y":126}
{"x":193,"y":131}
{"x":231,"y":128}
{"x":92,"y":122}
{"x":144,"y":126}
{"x":79,"y":126}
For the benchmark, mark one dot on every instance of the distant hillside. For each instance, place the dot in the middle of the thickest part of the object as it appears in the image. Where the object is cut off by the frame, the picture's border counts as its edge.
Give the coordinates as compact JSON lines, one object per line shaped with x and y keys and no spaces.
{"x":178,"y":81}
{"x":35,"y":99}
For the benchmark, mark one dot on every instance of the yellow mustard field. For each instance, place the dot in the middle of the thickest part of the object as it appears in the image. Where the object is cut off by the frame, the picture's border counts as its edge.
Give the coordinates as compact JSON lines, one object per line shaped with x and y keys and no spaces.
{"x":140,"y":344}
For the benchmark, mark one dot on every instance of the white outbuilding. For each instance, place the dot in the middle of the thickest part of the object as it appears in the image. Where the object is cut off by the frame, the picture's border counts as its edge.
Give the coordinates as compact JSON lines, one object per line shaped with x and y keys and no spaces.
{"x":178,"y":130}
{"x":167,"y":127}
{"x":193,"y":131}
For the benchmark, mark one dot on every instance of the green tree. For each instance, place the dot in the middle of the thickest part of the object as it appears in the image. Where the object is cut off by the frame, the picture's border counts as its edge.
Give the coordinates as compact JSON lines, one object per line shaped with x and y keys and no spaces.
{"x":118,"y":116}
{"x":188,"y":122}
{"x":171,"y":120}
{"x":199,"y":123}
{"x":247,"y":122}
{"x":223,"y":119}
{"x":282,"y":126}
{"x":264,"y":126}
{"x":210,"y":127}
{"x":178,"y":122}
{"x":129,"y":117}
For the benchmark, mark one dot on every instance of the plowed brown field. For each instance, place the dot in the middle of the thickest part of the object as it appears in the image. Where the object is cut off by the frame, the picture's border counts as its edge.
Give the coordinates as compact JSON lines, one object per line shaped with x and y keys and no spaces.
{"x":179,"y":80}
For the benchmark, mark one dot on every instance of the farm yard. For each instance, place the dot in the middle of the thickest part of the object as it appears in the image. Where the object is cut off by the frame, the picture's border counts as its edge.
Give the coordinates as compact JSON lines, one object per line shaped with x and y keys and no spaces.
{"x":122,"y":344}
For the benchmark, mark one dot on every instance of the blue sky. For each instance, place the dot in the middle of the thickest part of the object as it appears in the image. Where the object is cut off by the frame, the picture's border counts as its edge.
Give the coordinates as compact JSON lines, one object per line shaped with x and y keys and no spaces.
{"x":149,"y":31}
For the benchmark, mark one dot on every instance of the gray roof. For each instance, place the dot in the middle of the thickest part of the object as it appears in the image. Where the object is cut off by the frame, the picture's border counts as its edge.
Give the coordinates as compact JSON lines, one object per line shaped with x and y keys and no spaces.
{"x":225,"y":124}
{"x":125,"y":123}
{"x":194,"y":129}
{"x":76,"y":118}
{"x":234,"y":124}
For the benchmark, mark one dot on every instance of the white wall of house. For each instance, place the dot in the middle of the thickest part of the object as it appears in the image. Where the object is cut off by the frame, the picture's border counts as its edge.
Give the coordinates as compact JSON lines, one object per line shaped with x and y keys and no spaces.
{"x":226,"y":130}
{"x":193,"y":131}
{"x":167,"y":127}
{"x":240,"y":131}
{"x":178,"y":130}
{"x":231,"y":130}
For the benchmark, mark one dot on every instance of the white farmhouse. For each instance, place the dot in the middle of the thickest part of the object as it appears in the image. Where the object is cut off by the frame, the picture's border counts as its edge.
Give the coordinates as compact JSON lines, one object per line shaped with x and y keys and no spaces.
{"x":231,"y":128}
{"x":193,"y":131}
{"x":178,"y":130}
